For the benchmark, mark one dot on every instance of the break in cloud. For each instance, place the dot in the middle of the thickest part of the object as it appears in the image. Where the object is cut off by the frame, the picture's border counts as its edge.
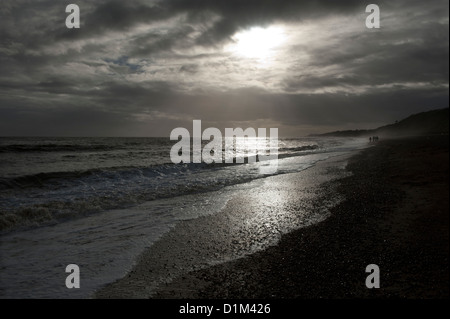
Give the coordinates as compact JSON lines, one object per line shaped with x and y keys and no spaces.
{"x":140,"y":68}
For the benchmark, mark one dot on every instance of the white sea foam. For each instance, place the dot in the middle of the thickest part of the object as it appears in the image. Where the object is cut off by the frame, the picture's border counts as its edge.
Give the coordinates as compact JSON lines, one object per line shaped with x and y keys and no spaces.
{"x":105,"y":243}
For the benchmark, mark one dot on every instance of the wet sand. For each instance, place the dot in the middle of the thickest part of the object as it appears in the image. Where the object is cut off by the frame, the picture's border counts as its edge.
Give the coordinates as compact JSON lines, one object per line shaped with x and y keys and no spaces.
{"x":395,"y":214}
{"x":255,"y":217}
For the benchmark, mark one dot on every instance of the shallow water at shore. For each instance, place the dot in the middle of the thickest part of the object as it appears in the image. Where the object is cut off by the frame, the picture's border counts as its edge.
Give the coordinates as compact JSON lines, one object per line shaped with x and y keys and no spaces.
{"x":105,"y":245}
{"x":395,"y":214}
{"x":254,"y":218}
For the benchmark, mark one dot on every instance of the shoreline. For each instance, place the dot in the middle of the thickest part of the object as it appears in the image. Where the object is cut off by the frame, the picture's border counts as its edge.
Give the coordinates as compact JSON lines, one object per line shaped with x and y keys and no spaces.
{"x":255,"y":217}
{"x":395,"y":215}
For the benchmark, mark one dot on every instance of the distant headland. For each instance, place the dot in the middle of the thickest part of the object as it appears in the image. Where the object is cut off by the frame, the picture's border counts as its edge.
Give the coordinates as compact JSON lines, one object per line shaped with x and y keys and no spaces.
{"x":425,"y":123}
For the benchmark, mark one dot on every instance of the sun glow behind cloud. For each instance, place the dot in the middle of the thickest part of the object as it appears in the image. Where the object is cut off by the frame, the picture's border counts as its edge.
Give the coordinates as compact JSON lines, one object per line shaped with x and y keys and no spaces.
{"x":177,"y":61}
{"x":258,"y":43}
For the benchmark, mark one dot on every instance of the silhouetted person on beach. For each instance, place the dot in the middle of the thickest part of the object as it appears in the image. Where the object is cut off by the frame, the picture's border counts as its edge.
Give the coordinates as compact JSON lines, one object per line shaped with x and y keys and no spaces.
{"x":370,"y":139}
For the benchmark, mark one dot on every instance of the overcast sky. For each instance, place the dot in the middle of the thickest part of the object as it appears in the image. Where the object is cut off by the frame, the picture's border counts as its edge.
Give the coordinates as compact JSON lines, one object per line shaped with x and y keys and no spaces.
{"x":143,"y":68}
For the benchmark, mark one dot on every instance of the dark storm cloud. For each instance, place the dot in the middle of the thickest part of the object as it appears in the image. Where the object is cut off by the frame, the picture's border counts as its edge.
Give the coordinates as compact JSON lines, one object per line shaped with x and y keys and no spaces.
{"x":145,"y":67}
{"x":151,"y":43}
{"x":234,"y":14}
{"x":54,"y":122}
{"x":332,"y":111}
{"x":414,"y":52}
{"x":189,"y":68}
{"x":114,"y":15}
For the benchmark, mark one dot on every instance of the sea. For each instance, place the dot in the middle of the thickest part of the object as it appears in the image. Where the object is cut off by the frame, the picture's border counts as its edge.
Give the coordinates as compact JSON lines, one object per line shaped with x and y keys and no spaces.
{"x":100,"y":202}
